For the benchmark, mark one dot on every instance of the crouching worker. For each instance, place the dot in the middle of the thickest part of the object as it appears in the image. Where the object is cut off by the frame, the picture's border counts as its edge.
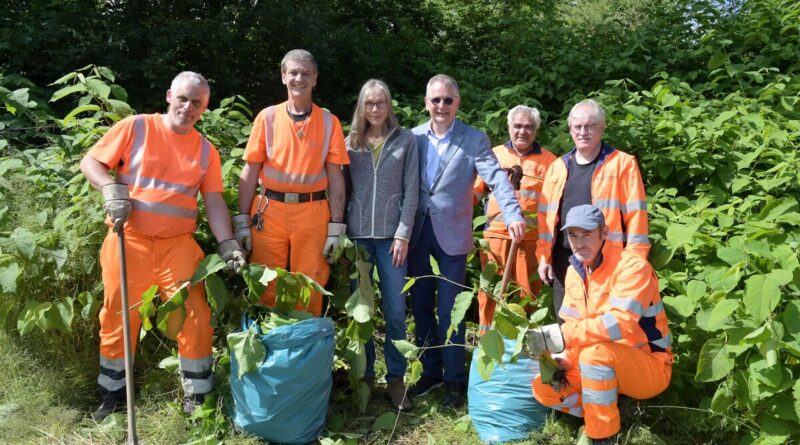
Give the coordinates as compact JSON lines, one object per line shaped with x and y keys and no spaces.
{"x":161,"y":163}
{"x":614,"y":341}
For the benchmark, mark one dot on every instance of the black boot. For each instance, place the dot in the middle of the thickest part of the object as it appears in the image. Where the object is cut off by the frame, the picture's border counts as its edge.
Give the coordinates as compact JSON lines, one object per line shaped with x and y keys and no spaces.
{"x":112,"y":402}
{"x":192,"y":401}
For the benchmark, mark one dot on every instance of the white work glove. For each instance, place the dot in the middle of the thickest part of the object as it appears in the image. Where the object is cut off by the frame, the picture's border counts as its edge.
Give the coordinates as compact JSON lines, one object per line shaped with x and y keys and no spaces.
{"x":241,"y":231}
{"x":334,"y":230}
{"x":232,"y":254}
{"x":118,"y":204}
{"x":545,"y":338}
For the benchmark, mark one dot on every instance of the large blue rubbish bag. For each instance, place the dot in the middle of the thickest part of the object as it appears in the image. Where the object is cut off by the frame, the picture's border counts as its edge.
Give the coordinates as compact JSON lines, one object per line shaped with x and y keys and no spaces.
{"x":286,"y":399}
{"x":502,"y":408}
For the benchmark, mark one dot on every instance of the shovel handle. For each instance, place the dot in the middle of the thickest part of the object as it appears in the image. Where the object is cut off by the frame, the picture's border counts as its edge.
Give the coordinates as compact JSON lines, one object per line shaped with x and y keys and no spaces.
{"x":512,"y":252}
{"x":126,"y":336}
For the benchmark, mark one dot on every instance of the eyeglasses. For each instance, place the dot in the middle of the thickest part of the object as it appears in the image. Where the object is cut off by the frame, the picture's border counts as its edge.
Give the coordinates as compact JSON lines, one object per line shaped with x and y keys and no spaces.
{"x":590,"y":128}
{"x":437,"y":100}
{"x":375,"y":105}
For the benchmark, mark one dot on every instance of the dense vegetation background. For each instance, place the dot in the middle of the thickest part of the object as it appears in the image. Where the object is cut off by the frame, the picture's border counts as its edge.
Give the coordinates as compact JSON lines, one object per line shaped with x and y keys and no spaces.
{"x":705,"y":93}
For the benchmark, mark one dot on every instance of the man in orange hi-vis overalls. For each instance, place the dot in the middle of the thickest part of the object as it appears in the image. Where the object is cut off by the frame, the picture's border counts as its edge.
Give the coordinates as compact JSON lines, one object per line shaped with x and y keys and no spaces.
{"x":161,"y":163}
{"x":296,"y":152}
{"x":614,"y":340}
{"x":527,"y":162}
{"x":593,"y":173}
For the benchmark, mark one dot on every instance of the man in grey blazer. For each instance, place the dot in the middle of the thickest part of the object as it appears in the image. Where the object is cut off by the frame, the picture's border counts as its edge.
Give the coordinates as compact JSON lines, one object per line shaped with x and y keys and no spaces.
{"x":451,"y":153}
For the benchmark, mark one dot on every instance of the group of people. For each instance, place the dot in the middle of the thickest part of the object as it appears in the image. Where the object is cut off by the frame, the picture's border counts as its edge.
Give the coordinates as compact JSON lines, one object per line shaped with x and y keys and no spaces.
{"x":411,"y":202}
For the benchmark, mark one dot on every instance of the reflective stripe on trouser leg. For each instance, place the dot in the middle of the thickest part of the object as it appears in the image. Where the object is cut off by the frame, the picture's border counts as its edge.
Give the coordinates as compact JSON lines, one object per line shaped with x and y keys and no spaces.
{"x":196,"y":377}
{"x":609,"y":369}
{"x":568,"y":400}
{"x":293,"y":238}
{"x":111,"y":379}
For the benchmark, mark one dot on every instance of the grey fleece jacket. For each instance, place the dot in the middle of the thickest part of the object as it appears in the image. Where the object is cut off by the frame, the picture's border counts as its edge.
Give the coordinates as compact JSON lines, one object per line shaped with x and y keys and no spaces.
{"x":384,"y":198}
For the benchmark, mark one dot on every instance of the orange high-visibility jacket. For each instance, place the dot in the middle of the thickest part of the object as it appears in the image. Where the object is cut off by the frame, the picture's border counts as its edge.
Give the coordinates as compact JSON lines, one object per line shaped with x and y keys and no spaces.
{"x":618,"y":301}
{"x":617,"y":190}
{"x":534,"y":166}
{"x":293,"y":155}
{"x":164,"y":171}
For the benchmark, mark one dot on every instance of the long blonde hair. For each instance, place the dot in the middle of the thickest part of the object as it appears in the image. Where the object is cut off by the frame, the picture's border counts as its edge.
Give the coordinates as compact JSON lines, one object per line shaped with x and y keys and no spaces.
{"x":360,"y":124}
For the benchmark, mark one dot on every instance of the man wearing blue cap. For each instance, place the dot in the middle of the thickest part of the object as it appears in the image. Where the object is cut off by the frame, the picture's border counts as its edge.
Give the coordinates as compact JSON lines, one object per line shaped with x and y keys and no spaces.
{"x":615,"y":329}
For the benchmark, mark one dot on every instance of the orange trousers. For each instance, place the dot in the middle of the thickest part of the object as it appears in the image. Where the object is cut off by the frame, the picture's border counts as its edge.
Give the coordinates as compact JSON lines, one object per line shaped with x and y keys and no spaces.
{"x":605,"y":370}
{"x":165,"y":263}
{"x":292,"y":238}
{"x":523,"y":270}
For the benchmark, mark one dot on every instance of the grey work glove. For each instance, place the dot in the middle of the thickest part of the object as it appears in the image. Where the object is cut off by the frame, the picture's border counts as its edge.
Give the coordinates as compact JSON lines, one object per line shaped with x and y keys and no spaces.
{"x":232,"y":254}
{"x":334,"y":230}
{"x":241,"y":230}
{"x":544,"y":339}
{"x":118,"y":204}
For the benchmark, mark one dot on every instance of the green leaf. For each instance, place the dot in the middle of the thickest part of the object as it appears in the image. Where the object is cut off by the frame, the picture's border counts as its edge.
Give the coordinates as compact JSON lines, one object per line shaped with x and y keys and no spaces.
{"x":462,"y":303}
{"x":488,"y":275}
{"x":216,"y":293}
{"x":723,"y":397}
{"x":537,"y":317}
{"x":408,"y":349}
{"x":681,"y":305}
{"x":714,"y":362}
{"x":717,"y":60}
{"x":547,"y":367}
{"x":361,"y":304}
{"x":678,"y":235}
{"x":25,"y":242}
{"x":171,"y":314}
{"x":250,"y":276}
{"x":385,"y":421}
{"x":210,"y":264}
{"x":247,"y":349}
{"x":171,"y":364}
{"x":409,"y":282}
{"x":762,"y":293}
{"x":791,"y":319}
{"x":356,"y":356}
{"x":415,"y":373}
{"x":8,"y":277}
{"x":492,"y":345}
{"x":60,"y":315}
{"x":731,"y":255}
{"x":66,"y":91}
{"x":796,"y":395}
{"x":714,"y":319}
{"x":98,"y":88}
{"x":78,"y":110}
{"x":148,"y":308}
{"x":696,"y":290}
{"x":27,"y":318}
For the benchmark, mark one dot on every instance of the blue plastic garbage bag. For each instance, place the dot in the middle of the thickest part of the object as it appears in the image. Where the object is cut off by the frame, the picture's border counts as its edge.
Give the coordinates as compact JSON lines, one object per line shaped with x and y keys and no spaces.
{"x":286,"y":399}
{"x":503,"y":408}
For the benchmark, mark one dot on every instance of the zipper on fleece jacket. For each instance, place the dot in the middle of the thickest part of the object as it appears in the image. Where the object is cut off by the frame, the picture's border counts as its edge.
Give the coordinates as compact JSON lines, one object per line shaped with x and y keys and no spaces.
{"x":375,"y":180}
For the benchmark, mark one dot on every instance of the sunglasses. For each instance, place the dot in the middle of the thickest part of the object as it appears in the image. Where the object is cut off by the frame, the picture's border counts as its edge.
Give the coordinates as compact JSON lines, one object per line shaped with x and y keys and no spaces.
{"x":437,"y":100}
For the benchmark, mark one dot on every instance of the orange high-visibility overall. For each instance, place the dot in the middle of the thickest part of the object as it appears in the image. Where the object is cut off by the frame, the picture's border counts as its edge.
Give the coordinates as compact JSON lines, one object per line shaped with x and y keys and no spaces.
{"x":294,"y":234}
{"x":164,"y":172}
{"x":616,"y":333}
{"x":534,"y":165}
{"x":617,"y":190}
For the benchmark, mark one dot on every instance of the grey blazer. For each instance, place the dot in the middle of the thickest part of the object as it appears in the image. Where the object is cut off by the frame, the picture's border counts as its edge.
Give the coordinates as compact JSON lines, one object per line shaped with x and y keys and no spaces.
{"x":449,"y":199}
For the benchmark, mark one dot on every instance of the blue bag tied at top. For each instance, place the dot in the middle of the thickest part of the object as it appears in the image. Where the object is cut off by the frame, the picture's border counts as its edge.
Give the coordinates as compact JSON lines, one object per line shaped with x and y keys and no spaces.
{"x":286,"y":399}
{"x":503,"y":408}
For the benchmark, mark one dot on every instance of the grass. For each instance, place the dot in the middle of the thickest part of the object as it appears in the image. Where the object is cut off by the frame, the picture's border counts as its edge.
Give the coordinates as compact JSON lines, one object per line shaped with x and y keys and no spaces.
{"x":45,"y":404}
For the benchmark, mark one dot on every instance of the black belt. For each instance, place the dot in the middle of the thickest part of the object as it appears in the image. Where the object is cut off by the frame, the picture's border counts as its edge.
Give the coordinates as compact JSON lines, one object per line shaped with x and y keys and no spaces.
{"x":293,"y":198}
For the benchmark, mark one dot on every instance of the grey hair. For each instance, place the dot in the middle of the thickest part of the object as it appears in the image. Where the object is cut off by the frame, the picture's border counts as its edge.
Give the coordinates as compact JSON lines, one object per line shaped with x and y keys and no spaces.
{"x":537,"y":119}
{"x":597,"y":114}
{"x":358,"y":129}
{"x":298,"y":55}
{"x":192,"y":78}
{"x":446,"y":80}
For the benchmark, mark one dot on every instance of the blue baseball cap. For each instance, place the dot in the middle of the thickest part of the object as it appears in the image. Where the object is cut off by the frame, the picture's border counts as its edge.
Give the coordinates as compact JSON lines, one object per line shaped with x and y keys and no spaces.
{"x":587,"y":217}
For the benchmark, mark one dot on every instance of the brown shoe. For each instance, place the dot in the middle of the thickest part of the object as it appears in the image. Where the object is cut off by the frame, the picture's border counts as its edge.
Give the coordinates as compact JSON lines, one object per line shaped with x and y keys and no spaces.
{"x":396,"y":392}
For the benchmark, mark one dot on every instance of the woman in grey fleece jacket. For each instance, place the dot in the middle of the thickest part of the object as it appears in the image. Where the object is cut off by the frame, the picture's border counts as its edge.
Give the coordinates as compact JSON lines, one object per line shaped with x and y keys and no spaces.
{"x":384,"y":169}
